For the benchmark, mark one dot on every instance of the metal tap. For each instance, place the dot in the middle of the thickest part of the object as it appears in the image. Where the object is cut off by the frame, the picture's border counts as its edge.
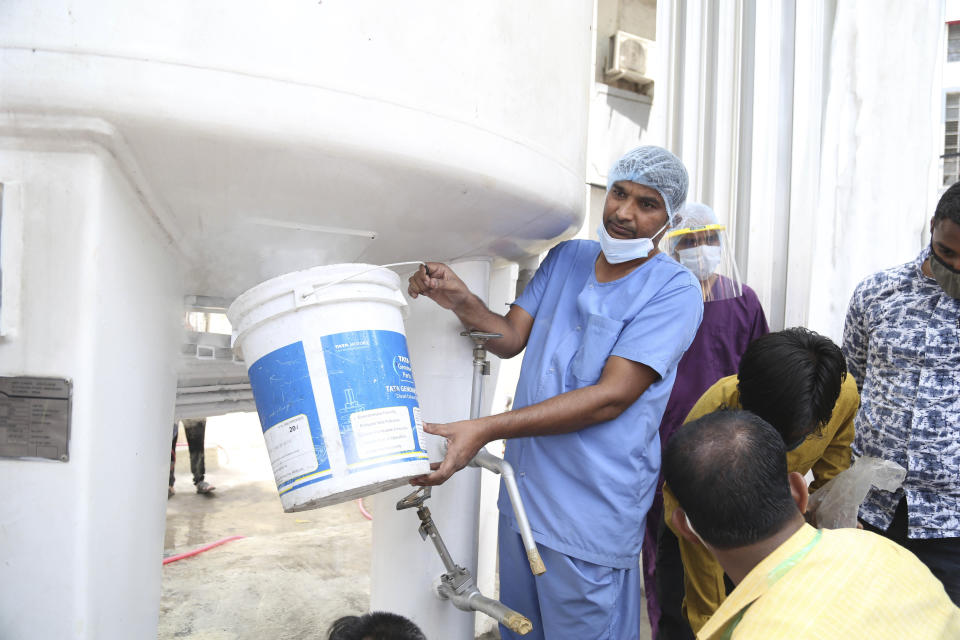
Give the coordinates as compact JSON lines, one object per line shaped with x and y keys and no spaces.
{"x":457,"y":584}
{"x":486,"y":460}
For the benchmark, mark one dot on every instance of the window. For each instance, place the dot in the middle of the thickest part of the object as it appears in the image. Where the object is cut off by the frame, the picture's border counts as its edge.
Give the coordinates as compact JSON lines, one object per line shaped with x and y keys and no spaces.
{"x":951,"y":146}
{"x":208,"y":322}
{"x":953,"y":42}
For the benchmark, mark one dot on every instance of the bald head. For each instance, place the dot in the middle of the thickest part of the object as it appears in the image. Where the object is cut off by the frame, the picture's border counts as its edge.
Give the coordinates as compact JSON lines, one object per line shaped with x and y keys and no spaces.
{"x":728,"y":471}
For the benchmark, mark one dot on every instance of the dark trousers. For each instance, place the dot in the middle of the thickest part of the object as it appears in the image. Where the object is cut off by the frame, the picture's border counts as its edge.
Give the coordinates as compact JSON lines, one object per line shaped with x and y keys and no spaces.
{"x":673,"y":624}
{"x":941,"y":555}
{"x":195,"y":432}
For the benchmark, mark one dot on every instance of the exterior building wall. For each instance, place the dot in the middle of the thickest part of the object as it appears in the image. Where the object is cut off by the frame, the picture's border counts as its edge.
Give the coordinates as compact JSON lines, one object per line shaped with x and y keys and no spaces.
{"x":809,"y":135}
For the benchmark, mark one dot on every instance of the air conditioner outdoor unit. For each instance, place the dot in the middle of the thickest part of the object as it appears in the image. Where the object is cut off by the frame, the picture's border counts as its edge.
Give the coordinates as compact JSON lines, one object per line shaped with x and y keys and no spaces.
{"x":631,"y":58}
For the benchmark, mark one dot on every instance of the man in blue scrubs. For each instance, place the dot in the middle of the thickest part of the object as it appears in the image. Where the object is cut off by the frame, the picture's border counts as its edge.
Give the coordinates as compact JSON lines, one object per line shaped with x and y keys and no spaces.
{"x":604,"y":325}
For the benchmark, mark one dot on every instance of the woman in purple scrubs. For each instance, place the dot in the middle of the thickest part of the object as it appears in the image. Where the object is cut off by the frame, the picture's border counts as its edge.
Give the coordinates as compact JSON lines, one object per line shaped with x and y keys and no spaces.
{"x":732,"y":318}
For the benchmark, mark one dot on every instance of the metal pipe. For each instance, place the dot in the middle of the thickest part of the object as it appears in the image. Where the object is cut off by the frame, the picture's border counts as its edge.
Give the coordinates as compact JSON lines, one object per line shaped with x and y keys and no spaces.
{"x":470,"y":599}
{"x":429,"y":529}
{"x":224,"y":396}
{"x":240,"y":386}
{"x":457,"y":585}
{"x":476,"y":391}
{"x":491,"y":462}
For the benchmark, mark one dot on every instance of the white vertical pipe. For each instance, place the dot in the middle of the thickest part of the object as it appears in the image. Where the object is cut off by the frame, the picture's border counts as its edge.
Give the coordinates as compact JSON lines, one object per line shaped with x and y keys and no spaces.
{"x":405,"y":569}
{"x":706,"y":141}
{"x":740,"y":217}
{"x":665,"y":125}
{"x":723,"y":166}
{"x":691,"y":86}
{"x":809,"y":94}
{"x":498,"y":386}
{"x":772,"y":123}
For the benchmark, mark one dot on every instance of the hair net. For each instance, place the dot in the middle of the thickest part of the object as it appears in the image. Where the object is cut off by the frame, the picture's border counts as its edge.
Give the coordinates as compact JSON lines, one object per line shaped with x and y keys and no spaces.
{"x":700,"y":243}
{"x":656,"y":168}
{"x":694,"y":214}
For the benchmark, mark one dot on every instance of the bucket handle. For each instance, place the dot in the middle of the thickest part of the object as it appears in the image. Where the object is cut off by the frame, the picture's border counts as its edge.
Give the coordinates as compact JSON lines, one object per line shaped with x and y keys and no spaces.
{"x":307,"y":292}
{"x":306,"y":296}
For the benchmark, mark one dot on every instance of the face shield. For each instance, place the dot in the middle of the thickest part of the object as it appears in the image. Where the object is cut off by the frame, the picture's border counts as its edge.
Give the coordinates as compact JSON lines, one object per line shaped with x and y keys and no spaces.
{"x":705,"y":251}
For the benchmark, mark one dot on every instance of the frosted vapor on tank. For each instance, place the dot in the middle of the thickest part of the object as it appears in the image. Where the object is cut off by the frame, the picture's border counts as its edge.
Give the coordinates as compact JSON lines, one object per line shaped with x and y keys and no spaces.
{"x":327,"y":357}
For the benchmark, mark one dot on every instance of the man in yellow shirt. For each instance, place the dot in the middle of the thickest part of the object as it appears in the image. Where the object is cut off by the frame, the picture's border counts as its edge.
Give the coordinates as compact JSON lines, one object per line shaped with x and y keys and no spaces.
{"x":796,"y":380}
{"x":728,"y":470}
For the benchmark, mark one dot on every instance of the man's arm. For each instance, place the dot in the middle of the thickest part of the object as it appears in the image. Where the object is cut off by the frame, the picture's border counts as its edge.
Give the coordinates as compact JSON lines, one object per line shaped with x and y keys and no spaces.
{"x":855,"y":339}
{"x":621,"y":383}
{"x":837,"y":457}
{"x":438,"y":282}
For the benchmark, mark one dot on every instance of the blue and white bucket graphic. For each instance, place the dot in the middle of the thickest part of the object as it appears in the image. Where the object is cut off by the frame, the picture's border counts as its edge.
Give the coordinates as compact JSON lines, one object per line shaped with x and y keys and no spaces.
{"x":333,"y":383}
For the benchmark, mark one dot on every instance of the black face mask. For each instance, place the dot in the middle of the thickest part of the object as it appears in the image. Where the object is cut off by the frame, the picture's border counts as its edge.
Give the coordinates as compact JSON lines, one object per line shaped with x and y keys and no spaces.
{"x":946,"y":276}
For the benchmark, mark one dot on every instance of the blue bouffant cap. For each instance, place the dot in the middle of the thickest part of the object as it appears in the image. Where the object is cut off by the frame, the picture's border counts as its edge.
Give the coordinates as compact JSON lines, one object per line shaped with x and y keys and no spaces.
{"x":656,"y":168}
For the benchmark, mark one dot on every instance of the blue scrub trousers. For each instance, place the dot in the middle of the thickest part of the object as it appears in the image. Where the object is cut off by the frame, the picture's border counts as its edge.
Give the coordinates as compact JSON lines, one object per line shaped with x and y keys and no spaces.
{"x":574,"y":599}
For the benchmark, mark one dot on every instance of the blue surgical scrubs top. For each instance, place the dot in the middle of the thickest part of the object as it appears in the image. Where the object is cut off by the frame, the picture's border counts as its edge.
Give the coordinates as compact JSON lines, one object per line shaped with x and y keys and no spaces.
{"x":587,"y":492}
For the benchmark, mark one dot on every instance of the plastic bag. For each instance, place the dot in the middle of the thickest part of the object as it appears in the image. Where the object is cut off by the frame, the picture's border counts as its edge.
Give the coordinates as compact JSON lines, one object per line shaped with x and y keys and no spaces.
{"x":836,"y":504}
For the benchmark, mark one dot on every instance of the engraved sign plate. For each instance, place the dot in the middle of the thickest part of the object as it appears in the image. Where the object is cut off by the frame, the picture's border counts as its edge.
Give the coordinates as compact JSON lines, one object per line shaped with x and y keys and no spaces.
{"x":35,"y":418}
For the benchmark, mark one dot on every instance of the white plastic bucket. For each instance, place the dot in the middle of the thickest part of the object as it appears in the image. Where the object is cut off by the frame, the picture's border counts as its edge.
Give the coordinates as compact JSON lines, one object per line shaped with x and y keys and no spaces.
{"x":327,"y":357}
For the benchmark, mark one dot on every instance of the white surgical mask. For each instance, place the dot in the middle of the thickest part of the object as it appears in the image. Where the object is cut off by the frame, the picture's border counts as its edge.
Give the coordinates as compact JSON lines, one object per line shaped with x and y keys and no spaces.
{"x":616,"y":250}
{"x":702,"y":261}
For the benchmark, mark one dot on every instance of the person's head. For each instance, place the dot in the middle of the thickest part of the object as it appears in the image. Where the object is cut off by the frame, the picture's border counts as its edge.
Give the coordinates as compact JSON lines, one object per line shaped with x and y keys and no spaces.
{"x":792,"y":379}
{"x":645,"y":190}
{"x":945,"y":241}
{"x":378,"y":625}
{"x":728,"y":471}
{"x":696,"y":243}
{"x":694,"y":215}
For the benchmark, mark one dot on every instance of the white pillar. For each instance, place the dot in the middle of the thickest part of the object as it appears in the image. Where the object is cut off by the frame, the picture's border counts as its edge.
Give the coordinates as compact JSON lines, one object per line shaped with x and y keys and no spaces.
{"x":81,"y":542}
{"x":406,"y":569}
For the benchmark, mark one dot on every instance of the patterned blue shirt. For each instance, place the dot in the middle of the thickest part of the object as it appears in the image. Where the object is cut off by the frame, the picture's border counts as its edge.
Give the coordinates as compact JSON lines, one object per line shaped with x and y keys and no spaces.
{"x":902,"y":342}
{"x":587,"y":492}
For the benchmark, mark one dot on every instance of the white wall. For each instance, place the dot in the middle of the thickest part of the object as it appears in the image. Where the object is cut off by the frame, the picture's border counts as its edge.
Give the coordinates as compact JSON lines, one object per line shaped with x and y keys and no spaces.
{"x":809,"y":134}
{"x":619,"y":112}
{"x":81,"y":542}
{"x":881,"y":140}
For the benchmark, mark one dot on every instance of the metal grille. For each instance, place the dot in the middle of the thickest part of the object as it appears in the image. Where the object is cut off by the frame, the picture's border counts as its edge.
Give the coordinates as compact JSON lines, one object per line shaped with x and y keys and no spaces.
{"x":953,"y":42}
{"x":951,"y":145}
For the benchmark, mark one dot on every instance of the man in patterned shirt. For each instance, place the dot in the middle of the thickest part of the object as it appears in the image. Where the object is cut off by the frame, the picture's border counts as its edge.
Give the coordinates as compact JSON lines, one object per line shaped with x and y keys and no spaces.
{"x":902,"y":342}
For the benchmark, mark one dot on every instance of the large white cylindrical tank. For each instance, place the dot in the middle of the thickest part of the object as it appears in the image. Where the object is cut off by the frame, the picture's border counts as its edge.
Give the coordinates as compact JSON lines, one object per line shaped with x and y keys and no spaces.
{"x":278,"y":137}
{"x":151,"y":151}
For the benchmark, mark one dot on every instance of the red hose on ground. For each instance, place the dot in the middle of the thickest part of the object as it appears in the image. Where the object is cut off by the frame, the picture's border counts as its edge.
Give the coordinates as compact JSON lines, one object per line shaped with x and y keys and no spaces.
{"x":199,"y":550}
{"x":366,"y":514}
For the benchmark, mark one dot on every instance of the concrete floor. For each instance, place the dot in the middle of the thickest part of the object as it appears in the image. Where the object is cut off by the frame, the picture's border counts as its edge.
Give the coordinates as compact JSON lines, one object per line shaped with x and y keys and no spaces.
{"x":288,"y":579}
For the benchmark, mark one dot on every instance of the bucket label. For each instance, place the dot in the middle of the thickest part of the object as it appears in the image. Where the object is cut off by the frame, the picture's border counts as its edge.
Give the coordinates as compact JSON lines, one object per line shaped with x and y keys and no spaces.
{"x":371,"y":383}
{"x":283,"y":393}
{"x":291,"y":448}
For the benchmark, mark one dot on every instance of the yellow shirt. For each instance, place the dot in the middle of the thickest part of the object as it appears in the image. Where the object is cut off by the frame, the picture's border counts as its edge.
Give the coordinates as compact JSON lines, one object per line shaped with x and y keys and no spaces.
{"x":842,"y":584}
{"x":825,"y":455}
